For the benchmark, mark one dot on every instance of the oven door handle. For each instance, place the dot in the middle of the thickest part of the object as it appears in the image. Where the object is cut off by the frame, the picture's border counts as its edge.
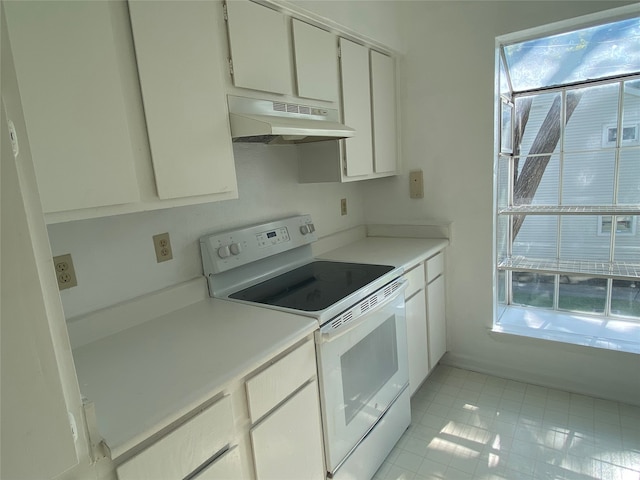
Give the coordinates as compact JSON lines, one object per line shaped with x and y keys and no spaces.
{"x":329,"y":333}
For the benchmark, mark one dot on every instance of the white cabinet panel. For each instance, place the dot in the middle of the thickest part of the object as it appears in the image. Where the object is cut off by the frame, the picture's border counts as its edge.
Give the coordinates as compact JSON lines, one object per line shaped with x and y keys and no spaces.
{"x":73,"y":103}
{"x":435,"y":266}
{"x":36,"y":439}
{"x":184,"y":449}
{"x":184,"y":97}
{"x":383,"y":105}
{"x":287,"y":445}
{"x":436,"y":318}
{"x":417,"y":345}
{"x":259,"y":47}
{"x":227,"y":467}
{"x":356,"y":105}
{"x":316,"y":61}
{"x":279,"y":380}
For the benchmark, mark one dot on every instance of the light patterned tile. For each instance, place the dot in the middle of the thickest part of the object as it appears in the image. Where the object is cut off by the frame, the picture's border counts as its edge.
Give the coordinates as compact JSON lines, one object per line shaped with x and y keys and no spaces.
{"x":399,"y":473}
{"x":430,"y":469}
{"x":408,"y":461}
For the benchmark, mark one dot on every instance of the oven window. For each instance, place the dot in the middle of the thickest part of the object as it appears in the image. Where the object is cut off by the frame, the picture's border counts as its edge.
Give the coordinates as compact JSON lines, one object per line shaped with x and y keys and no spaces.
{"x":368,"y":366}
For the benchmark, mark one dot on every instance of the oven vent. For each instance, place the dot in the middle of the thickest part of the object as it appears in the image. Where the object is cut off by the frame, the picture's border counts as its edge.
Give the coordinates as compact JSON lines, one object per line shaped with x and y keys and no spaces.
{"x":364,"y":306}
{"x":347,"y":317}
{"x":337,"y":322}
{"x":373,"y":301}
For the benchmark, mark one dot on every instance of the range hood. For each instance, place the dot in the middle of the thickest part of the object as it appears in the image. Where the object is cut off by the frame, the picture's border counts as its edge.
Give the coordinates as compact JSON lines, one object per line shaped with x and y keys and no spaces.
{"x":265,"y":121}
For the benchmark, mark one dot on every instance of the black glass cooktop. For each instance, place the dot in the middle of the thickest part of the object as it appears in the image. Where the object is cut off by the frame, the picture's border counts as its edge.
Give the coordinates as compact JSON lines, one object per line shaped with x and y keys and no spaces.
{"x":314,"y":286}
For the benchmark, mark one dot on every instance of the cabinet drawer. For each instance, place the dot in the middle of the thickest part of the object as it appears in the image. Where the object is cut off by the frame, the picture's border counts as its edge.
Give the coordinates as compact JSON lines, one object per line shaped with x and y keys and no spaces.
{"x":415,"y":280}
{"x":435,"y":266}
{"x":227,"y":467}
{"x":279,"y":380}
{"x":184,"y":449}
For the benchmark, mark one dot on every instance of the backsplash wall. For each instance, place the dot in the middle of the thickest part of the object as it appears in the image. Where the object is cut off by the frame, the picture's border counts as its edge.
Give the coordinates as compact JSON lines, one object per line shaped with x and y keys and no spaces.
{"x":114,"y":257}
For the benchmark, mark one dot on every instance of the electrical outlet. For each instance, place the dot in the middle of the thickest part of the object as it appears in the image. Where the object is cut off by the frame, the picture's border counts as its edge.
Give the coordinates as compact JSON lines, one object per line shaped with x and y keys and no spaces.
{"x":162,"y":244}
{"x":416,"y":184}
{"x":65,"y":273}
{"x":343,"y":206}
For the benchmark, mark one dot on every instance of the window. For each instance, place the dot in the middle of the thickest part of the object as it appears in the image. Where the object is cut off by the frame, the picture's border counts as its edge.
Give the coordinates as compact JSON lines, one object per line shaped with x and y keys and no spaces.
{"x":563,"y":177}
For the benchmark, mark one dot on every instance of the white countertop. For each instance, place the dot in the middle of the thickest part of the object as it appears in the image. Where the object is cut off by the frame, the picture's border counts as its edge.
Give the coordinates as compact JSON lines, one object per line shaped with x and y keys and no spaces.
{"x":144,"y":378}
{"x":395,"y":251}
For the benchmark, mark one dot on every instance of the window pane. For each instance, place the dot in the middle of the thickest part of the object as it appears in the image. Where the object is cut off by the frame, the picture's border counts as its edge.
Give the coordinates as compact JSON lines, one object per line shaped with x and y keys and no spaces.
{"x":537,"y":181}
{"x":581,"y":238}
{"x":590,"y":53}
{"x":505,"y":91}
{"x":502,"y":237}
{"x":597,"y":108}
{"x":580,"y":293}
{"x":537,"y":237}
{"x":587,"y":178}
{"x":537,"y":123}
{"x":532,"y":289}
{"x":627,"y":248}
{"x":502,"y":295}
{"x":629,"y":176}
{"x":625,"y":298}
{"x":631,"y":113}
{"x":503,"y":182}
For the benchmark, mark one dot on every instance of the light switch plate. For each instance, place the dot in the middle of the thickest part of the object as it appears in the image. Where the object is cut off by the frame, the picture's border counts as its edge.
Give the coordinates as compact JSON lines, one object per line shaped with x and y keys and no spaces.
{"x":416,"y":184}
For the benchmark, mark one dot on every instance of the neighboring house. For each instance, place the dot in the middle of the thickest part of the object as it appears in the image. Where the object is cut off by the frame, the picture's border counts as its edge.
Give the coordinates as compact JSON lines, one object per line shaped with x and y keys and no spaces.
{"x":587,"y":179}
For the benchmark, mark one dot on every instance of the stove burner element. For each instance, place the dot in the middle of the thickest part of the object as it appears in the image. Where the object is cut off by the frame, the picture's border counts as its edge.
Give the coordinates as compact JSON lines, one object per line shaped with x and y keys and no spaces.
{"x":314,"y":286}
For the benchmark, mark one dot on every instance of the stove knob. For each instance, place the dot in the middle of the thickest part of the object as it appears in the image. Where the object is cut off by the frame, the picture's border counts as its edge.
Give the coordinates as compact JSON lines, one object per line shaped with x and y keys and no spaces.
{"x":235,"y":248}
{"x":304,"y":229}
{"x":224,"y":252}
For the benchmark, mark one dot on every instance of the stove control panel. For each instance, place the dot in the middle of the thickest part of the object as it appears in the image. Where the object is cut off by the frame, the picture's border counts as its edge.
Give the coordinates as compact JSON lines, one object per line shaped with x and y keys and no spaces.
{"x":233,"y":248}
{"x":273,"y":237}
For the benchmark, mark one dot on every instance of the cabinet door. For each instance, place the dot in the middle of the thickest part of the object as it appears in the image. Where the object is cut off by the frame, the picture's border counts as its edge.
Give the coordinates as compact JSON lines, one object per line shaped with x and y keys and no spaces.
{"x":436,"y":320}
{"x":287,"y":445}
{"x":184,"y":97}
{"x":417,"y":340}
{"x":227,"y":467}
{"x":356,"y":107}
{"x":36,"y":439}
{"x":73,"y":103}
{"x":316,"y":60}
{"x":383,"y":104}
{"x":259,"y":47}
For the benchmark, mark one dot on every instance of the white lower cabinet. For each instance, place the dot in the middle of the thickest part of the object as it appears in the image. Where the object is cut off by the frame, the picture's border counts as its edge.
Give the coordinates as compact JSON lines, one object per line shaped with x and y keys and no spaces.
{"x":186,"y":448}
{"x":436,"y":320}
{"x":287,"y":444}
{"x":284,"y":408}
{"x":417,"y":342}
{"x":426,"y":329}
{"x":227,"y":466}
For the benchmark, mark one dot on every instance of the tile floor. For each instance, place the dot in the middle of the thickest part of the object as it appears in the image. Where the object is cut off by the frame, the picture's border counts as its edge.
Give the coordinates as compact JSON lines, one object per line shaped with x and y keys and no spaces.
{"x":467,"y":425}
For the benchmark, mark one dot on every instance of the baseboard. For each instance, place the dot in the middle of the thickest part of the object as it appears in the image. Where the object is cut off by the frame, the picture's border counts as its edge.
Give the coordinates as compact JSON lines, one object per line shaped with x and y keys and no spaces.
{"x":537,"y":378}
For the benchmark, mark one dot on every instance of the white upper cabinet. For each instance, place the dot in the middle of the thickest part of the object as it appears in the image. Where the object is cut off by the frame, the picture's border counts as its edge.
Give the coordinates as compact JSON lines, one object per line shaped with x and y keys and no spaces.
{"x":184,"y":102}
{"x":258,"y":40}
{"x":383,"y":105}
{"x":73,"y":103}
{"x":316,"y":62}
{"x":356,"y":107}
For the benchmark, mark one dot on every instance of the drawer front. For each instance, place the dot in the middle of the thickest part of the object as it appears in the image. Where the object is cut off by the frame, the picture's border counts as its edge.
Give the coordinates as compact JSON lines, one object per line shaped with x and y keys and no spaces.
{"x":184,"y":449}
{"x":435,"y":266}
{"x":415,"y":280}
{"x":278,"y":381}
{"x":227,"y":467}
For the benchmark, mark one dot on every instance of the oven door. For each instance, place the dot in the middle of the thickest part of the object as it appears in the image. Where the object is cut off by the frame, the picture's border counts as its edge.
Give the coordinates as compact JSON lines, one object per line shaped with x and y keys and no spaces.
{"x":363,"y":367}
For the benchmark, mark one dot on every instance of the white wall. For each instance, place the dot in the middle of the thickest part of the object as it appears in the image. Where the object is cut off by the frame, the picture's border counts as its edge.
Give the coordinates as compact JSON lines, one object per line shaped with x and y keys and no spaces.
{"x":447,"y":98}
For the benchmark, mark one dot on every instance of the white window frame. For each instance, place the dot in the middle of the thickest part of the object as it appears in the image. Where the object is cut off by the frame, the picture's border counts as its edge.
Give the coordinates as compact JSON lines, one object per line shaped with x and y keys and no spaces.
{"x":612,"y":143}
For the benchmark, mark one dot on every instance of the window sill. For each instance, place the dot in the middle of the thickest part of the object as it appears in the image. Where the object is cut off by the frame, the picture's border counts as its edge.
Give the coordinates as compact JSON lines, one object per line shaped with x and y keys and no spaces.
{"x":607,"y":333}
